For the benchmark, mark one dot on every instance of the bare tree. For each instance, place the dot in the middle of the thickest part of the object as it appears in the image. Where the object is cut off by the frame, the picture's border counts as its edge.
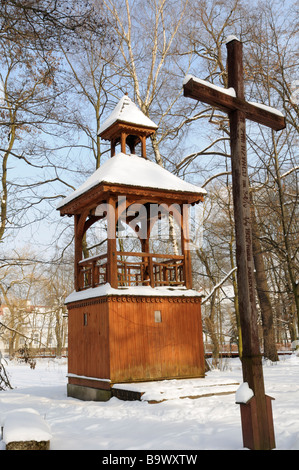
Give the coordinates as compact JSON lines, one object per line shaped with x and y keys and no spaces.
{"x":16,"y":285}
{"x":4,"y":379}
{"x":270,"y":46}
{"x":56,"y":285}
{"x":30,"y":99}
{"x":273,"y":57}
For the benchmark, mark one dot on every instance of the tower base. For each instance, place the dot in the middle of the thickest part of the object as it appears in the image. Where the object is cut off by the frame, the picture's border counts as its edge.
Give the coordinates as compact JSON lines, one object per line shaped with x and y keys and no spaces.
{"x":129,"y":338}
{"x":88,"y":393}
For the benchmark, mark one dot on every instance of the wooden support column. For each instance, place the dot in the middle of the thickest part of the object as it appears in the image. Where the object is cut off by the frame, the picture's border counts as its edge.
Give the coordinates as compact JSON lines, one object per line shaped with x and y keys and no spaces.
{"x":78,"y":252}
{"x":185,"y":245}
{"x":146,"y":231}
{"x":113,"y":145}
{"x":79,"y":223}
{"x":151,"y":271}
{"x":111,"y":243}
{"x":123,"y":139}
{"x":143,"y":146}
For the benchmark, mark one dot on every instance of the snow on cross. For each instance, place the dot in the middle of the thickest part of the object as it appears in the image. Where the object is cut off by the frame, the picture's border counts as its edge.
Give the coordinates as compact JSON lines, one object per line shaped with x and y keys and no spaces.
{"x":227,"y":100}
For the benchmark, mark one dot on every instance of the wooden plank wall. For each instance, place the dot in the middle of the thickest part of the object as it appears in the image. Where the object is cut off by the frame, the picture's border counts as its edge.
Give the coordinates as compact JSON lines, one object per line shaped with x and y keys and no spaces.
{"x":88,"y":348}
{"x":123,"y":342}
{"x":143,"y":349}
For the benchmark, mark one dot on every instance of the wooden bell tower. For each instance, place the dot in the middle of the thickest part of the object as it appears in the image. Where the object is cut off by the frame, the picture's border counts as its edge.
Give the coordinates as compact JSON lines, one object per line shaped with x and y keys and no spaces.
{"x":133,"y":316}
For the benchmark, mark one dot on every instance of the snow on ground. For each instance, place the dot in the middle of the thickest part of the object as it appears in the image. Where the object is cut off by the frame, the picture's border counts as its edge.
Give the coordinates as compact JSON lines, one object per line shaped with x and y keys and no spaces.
{"x":207,"y":423}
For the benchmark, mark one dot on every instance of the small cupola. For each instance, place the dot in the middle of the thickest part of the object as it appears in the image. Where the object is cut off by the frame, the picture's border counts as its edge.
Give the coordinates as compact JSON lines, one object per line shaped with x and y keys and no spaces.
{"x":128,"y":126}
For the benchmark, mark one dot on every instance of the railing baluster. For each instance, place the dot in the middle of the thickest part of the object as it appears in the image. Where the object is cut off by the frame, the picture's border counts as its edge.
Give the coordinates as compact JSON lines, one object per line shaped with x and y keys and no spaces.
{"x":151,"y":272}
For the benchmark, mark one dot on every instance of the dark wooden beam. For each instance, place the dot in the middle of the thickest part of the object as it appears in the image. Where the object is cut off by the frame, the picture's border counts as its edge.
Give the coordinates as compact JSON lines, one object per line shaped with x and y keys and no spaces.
{"x":233,"y":102}
{"x":227,"y":103}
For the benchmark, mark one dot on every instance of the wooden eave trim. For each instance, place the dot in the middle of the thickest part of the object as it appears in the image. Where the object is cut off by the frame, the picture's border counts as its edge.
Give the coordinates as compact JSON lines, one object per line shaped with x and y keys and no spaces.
{"x":100,"y":192}
{"x":125,"y":297}
{"x":119,"y":126}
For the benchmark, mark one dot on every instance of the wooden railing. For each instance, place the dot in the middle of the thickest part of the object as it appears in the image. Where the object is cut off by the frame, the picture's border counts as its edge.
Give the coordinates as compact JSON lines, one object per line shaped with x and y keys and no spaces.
{"x":92,"y":272}
{"x":133,"y":269}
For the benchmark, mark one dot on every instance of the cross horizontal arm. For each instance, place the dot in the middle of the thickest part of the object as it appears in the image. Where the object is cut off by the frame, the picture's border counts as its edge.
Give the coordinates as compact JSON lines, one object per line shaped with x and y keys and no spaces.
{"x":226,"y":102}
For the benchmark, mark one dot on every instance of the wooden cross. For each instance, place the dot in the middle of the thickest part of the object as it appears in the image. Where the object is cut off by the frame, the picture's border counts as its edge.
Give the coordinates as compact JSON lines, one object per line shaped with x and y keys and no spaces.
{"x":257,"y":423}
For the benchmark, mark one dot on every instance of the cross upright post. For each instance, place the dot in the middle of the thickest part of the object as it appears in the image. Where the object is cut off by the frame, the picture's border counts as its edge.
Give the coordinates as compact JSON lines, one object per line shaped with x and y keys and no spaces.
{"x":257,"y":421}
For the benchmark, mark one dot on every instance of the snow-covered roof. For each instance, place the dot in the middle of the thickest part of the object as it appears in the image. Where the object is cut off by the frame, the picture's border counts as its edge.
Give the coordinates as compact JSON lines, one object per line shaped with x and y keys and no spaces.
{"x":127,"y":111}
{"x":131,"y":170}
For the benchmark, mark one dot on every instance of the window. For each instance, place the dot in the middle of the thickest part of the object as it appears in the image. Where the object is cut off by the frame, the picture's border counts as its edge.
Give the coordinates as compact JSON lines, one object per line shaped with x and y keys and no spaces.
{"x":85,"y":319}
{"x":158,"y":317}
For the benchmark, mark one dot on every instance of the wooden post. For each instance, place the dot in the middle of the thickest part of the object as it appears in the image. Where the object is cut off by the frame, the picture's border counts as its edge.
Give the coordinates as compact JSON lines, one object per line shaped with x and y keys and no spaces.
{"x":78,"y":251}
{"x":185,"y":245}
{"x":79,"y":224}
{"x":145,"y":245}
{"x":143,"y":146}
{"x":123,"y":138}
{"x":151,"y":271}
{"x":251,"y":357}
{"x":113,"y":144}
{"x":111,"y":244}
{"x":238,"y":110}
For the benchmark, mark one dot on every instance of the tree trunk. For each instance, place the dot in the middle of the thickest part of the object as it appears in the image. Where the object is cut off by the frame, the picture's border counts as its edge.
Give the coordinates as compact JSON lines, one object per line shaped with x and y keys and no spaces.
{"x":236,"y":301}
{"x":262,"y":289}
{"x":212,"y":332}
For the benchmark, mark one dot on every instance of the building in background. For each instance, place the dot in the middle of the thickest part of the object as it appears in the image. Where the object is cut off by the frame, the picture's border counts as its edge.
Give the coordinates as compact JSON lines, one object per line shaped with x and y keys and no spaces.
{"x":42,"y":329}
